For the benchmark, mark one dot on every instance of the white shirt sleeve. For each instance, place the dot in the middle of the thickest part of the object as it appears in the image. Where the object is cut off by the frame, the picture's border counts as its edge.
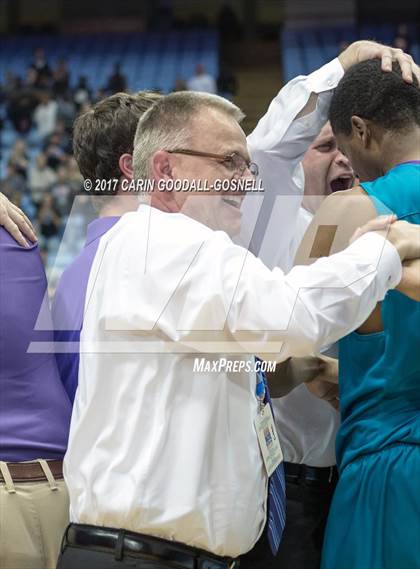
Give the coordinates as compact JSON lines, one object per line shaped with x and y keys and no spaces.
{"x":278,"y":145}
{"x":213,"y":287}
{"x":311,"y":306}
{"x":202,"y":293}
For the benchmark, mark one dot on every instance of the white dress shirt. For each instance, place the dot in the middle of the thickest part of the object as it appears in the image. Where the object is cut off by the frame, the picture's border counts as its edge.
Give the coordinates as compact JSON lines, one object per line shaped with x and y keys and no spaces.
{"x":306,"y":425}
{"x":157,"y":448}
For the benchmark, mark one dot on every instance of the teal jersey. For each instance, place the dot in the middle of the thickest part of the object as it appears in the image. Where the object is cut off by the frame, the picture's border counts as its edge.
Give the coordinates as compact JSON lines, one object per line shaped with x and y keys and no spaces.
{"x":374,"y":521}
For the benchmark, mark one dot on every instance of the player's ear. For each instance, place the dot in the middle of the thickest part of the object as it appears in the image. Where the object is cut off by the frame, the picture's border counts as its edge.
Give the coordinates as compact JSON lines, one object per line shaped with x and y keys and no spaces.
{"x":361,"y":130}
{"x":125,"y":164}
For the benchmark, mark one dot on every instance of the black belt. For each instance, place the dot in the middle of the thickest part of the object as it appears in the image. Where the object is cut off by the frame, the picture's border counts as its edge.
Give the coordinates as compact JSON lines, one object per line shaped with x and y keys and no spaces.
{"x":121,"y":542}
{"x":310,"y":475}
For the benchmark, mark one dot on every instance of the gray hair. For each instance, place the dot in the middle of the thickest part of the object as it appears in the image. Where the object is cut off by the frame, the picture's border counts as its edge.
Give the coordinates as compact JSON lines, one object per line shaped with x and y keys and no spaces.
{"x":166,"y":125}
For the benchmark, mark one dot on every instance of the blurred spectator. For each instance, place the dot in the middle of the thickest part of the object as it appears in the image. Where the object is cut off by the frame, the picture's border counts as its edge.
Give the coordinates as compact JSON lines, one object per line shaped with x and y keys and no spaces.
{"x":48,"y":218}
{"x":41,"y":178}
{"x":54,"y":151}
{"x":180,"y":85}
{"x":19,"y":157}
{"x":402,"y":38}
{"x":10,"y":85}
{"x":45,"y":115}
{"x":62,"y":192}
{"x":61,"y":79}
{"x":43,"y":251}
{"x":13,"y":182}
{"x":31,"y":78}
{"x":25,"y":203}
{"x":202,"y":81}
{"x":402,"y":42}
{"x":22,"y":102}
{"x":66,"y":111}
{"x":402,"y":30}
{"x":62,"y":135}
{"x":74,"y":176}
{"x":40,"y":65}
{"x":117,"y":82}
{"x":82,"y":93}
{"x":227,"y":83}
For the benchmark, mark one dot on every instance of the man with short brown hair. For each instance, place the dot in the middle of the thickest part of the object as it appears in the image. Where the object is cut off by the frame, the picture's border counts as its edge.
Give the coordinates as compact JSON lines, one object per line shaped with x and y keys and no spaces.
{"x":103,"y":139}
{"x":102,"y":142}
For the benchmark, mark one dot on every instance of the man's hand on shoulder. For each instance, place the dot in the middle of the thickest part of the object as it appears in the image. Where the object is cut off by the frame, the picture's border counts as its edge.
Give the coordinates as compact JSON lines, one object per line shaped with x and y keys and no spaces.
{"x":15,"y":222}
{"x":334,"y":223}
{"x":403,"y":235}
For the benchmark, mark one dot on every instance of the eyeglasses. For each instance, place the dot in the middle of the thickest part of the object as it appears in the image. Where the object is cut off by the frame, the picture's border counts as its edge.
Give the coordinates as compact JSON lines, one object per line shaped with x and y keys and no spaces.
{"x":234,"y":162}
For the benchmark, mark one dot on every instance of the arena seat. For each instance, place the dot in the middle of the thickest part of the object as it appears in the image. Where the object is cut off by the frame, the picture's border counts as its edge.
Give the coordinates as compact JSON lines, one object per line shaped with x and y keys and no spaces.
{"x":305,"y":49}
{"x":149,"y":60}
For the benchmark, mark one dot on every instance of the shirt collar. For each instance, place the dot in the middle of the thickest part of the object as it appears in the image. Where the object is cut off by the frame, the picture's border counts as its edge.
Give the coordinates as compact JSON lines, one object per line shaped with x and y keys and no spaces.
{"x":99,"y":227}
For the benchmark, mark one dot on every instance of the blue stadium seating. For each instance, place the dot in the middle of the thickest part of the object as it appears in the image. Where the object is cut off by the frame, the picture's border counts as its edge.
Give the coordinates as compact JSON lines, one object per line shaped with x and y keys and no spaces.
{"x":151,"y":60}
{"x":305,"y":49}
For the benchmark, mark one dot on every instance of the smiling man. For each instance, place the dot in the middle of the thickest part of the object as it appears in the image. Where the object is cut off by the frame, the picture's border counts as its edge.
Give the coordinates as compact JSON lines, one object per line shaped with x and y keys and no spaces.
{"x":220,"y":210}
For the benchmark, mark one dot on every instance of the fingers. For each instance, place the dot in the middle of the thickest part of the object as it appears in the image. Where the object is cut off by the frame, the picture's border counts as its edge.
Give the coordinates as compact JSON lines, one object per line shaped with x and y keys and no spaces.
{"x":329,"y":371}
{"x":335,"y":403}
{"x":377,"y":224}
{"x":387,"y":55}
{"x":25,"y":217}
{"x":323,"y":389}
{"x":386,"y":59}
{"x":23,"y":224}
{"x":16,"y":222}
{"x":405,"y":61}
{"x":13,"y":230}
{"x":331,"y":395}
{"x":407,"y":65}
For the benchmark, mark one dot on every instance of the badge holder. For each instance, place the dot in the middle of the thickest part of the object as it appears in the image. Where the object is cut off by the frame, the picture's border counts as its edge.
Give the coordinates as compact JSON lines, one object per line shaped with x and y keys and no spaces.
{"x":266,"y":431}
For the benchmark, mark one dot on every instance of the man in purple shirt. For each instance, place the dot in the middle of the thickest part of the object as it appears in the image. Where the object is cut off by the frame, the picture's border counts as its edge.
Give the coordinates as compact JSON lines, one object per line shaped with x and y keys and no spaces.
{"x":102,"y":143}
{"x":34,"y":409}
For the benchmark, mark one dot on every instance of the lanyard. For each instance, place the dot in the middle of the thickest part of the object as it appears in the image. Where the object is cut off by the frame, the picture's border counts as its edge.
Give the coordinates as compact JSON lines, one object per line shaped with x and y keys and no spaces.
{"x":260,"y":389}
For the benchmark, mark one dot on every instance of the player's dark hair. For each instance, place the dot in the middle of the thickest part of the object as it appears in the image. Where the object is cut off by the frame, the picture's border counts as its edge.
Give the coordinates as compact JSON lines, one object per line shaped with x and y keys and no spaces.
{"x":381,"y":97}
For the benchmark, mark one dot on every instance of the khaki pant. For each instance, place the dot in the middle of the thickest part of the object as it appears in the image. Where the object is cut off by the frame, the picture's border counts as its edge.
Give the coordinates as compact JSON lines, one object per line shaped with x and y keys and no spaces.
{"x":33,"y":518}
